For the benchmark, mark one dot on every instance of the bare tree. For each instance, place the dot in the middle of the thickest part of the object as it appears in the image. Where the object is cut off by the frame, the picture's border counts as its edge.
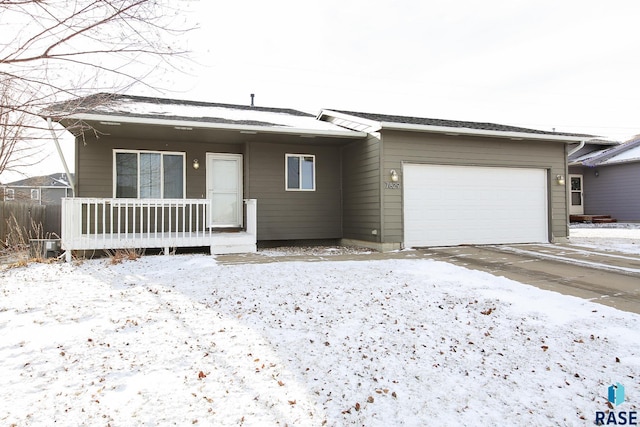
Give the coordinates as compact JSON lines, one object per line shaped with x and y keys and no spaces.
{"x":52,"y":50}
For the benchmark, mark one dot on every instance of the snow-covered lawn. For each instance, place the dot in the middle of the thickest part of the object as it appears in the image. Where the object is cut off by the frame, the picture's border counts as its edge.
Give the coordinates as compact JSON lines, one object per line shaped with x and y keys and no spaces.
{"x":182,"y":340}
{"x":621,"y":237}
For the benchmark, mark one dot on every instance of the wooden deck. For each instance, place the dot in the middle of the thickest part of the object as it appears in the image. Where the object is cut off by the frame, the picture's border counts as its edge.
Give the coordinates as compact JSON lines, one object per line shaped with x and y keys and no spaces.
{"x":594,"y":219}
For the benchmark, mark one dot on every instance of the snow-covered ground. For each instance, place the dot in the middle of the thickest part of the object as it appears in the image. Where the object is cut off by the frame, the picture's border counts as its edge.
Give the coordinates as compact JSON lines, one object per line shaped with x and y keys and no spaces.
{"x":621,"y":237}
{"x":185,"y":339}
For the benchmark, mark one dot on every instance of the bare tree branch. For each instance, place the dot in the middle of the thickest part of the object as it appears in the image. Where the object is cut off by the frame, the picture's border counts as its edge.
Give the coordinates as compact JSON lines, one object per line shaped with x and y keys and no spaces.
{"x":66,"y":49}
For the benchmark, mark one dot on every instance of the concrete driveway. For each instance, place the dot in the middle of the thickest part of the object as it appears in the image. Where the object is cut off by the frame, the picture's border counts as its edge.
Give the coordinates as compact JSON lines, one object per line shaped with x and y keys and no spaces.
{"x":608,"y":278}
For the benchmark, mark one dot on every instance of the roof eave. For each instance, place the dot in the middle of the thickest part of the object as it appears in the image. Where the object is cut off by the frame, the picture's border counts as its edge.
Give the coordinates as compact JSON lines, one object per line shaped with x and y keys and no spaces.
{"x":615,"y":151}
{"x":349,"y":121}
{"x":195,"y":124}
{"x":480,"y":132}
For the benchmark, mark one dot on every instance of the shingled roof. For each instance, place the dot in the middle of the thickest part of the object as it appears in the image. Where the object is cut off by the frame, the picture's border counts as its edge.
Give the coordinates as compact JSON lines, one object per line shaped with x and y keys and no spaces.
{"x":53,"y":180}
{"x":143,"y":109}
{"x":385,"y":118}
{"x":627,"y":152}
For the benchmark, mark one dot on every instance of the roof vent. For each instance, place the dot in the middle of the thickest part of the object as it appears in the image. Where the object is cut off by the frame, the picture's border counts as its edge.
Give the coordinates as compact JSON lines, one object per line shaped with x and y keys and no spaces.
{"x":252,"y":96}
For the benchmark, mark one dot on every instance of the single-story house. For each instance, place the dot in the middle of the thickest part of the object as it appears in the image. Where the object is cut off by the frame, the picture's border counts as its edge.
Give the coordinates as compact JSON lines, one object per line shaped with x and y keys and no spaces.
{"x":147,"y":167}
{"x":41,"y":190}
{"x":605,"y":181}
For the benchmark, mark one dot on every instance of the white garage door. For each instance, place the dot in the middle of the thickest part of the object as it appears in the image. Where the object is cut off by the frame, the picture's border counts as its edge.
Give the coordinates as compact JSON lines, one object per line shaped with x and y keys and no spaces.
{"x":456,"y":205}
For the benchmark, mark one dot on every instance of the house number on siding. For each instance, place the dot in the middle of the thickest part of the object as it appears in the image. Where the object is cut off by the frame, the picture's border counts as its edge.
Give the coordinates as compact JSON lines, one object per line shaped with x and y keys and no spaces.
{"x":392,"y":185}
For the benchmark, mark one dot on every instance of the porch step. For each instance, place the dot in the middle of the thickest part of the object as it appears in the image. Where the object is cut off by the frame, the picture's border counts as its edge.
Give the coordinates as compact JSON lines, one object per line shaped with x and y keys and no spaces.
{"x":596,"y":219}
{"x":604,"y":220}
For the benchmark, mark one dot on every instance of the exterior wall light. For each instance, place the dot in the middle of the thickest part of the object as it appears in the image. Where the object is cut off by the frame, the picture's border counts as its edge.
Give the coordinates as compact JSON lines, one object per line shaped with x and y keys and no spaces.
{"x":394,"y":175}
{"x":560,"y":179}
{"x":196,"y":164}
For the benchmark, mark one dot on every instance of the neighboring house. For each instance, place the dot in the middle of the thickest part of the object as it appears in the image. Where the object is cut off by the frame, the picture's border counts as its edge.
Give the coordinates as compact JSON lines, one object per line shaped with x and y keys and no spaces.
{"x":41,"y":190}
{"x":605,"y":180}
{"x":387,"y":182}
{"x":47,"y":192}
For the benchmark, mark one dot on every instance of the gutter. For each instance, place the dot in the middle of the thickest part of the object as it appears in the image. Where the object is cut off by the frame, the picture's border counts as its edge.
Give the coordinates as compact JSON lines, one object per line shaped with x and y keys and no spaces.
{"x":111,"y":119}
{"x":479,"y":132}
{"x":64,"y":162}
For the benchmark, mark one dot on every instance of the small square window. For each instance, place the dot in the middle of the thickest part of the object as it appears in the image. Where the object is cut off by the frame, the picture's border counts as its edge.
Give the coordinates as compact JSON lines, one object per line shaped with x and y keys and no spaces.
{"x":10,"y":194}
{"x":35,"y":194}
{"x":300,"y":172}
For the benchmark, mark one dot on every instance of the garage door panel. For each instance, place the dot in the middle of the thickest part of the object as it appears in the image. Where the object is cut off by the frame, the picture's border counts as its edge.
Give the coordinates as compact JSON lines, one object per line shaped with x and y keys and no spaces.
{"x":453,"y":205}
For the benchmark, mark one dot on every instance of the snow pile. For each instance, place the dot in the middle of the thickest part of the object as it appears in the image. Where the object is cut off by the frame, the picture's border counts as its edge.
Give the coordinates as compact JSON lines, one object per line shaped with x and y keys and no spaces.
{"x":185,"y":340}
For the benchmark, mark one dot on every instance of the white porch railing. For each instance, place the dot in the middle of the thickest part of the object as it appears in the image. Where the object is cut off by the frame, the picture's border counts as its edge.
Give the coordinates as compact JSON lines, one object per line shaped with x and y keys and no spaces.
{"x":97,"y":223}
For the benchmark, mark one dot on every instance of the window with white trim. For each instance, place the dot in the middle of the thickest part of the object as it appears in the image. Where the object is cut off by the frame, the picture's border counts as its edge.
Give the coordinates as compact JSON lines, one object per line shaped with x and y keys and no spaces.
{"x":10,"y":194}
{"x":148,"y":174}
{"x":35,"y":194}
{"x":300,"y":172}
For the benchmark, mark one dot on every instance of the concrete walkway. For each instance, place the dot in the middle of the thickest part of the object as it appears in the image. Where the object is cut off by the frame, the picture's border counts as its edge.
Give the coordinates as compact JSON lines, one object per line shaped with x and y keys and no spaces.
{"x":259,"y":258}
{"x":608,"y":278}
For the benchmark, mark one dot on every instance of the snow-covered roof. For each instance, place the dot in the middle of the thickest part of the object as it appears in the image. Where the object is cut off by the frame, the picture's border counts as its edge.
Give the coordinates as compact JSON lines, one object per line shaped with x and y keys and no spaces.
{"x":590,"y":155}
{"x":623,"y":153}
{"x":629,"y":155}
{"x":193,"y":114}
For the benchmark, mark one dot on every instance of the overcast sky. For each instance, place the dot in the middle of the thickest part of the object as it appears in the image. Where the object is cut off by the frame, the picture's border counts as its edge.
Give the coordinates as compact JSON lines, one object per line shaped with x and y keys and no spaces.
{"x":572,"y":66}
{"x":568,"y":65}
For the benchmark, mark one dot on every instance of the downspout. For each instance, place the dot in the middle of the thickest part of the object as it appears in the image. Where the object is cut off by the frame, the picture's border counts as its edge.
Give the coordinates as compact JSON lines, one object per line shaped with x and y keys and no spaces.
{"x":578,"y":148}
{"x":64,"y":162}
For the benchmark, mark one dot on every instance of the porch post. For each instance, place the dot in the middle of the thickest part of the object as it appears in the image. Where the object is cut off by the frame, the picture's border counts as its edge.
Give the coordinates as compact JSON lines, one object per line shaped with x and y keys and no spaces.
{"x":71,"y":225}
{"x":252,"y":216}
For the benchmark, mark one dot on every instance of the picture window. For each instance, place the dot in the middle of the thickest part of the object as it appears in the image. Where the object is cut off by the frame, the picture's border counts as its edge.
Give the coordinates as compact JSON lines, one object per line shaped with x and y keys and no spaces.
{"x":149,"y":174}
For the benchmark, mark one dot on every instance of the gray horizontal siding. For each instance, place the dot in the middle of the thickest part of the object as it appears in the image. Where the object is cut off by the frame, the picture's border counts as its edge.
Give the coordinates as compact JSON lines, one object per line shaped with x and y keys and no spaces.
{"x":399,"y":147}
{"x":615,"y":191}
{"x":289,"y":215}
{"x":94,"y":162}
{"x":361,"y":189}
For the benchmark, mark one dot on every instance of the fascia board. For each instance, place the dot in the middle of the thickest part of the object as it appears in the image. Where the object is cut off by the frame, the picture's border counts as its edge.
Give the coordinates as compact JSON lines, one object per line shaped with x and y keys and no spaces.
{"x":479,"y":132}
{"x":619,"y":162}
{"x":208,"y":125}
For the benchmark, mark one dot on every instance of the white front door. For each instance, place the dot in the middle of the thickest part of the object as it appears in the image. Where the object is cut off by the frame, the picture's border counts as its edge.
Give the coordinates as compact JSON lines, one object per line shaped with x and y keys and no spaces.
{"x":577,"y":195}
{"x":224,"y":189}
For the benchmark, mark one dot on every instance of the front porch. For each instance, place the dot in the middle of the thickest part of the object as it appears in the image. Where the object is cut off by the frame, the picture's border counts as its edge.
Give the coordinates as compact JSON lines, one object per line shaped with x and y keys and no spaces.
{"x":100,"y":224}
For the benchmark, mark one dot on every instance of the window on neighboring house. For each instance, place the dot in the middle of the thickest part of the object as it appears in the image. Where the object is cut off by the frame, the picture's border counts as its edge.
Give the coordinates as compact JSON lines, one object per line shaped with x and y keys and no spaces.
{"x":149,"y":174}
{"x":10,"y":194}
{"x":35,"y":194}
{"x":300,"y":172}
